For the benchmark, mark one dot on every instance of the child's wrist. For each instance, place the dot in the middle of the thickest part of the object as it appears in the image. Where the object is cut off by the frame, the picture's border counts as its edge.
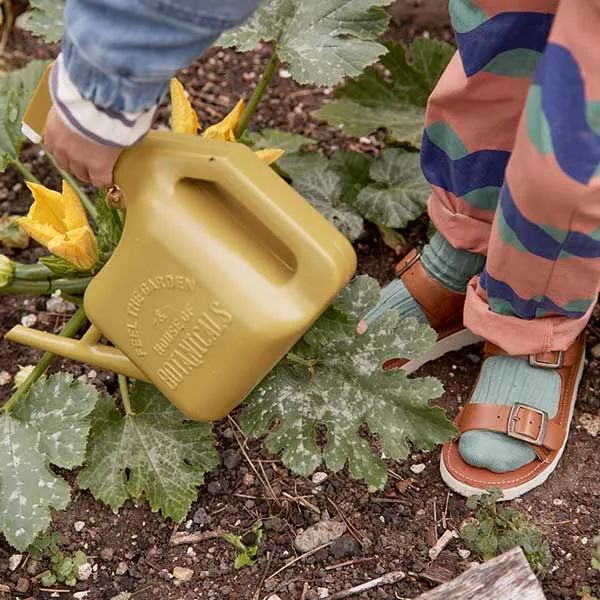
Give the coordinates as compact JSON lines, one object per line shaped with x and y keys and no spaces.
{"x":104,"y":126}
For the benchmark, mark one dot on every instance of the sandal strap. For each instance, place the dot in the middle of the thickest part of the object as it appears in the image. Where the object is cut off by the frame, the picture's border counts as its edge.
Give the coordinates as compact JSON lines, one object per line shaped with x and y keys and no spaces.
{"x":519,"y":421}
{"x":543,"y":360}
{"x":441,"y":306}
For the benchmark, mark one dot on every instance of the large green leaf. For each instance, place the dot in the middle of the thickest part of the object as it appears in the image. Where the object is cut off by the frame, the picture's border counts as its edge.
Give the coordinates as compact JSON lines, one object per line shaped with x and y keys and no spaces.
{"x":16,"y":89}
{"x":49,"y":426}
{"x":337,"y":381}
{"x":155,"y":453}
{"x":353,"y":168}
{"x":399,"y":194}
{"x":46,"y":19}
{"x":396,"y":103}
{"x":298,"y":164}
{"x":323,"y":189}
{"x":321,"y":40}
{"x":277,"y":138}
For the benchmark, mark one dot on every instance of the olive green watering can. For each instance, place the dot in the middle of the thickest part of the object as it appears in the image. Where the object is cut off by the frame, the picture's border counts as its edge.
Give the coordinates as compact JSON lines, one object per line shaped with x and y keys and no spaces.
{"x":221,"y":268}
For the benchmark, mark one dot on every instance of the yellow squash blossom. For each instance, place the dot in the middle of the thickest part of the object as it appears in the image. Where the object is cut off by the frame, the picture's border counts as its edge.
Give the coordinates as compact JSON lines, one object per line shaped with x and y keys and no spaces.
{"x":58,"y":221}
{"x":225,"y":129}
{"x":185,"y":120}
{"x":183,"y":117}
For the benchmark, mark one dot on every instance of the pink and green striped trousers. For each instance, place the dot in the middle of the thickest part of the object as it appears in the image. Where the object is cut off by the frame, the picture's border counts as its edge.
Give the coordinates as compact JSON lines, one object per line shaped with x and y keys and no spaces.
{"x":511,"y":149}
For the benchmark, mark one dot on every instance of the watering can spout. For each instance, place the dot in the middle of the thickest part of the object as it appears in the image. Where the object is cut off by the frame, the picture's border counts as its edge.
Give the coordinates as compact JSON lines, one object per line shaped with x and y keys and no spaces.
{"x":86,"y":350}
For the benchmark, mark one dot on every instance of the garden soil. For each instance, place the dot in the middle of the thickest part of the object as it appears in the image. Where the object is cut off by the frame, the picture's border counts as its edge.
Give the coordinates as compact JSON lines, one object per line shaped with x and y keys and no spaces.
{"x":390,"y":530}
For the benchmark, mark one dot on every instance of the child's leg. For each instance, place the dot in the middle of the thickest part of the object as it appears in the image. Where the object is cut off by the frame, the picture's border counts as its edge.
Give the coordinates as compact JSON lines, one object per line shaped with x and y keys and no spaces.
{"x":542,"y":275}
{"x":471,"y":123}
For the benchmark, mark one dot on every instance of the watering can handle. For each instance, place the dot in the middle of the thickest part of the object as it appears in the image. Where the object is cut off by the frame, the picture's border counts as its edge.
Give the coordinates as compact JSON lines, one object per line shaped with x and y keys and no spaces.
{"x":318,"y":248}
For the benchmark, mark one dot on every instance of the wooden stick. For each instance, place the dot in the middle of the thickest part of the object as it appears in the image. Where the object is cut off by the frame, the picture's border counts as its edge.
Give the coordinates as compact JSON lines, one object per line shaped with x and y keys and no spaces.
{"x":348,"y":563}
{"x":387,"y":579}
{"x":180,"y":538}
{"x":302,"y":501}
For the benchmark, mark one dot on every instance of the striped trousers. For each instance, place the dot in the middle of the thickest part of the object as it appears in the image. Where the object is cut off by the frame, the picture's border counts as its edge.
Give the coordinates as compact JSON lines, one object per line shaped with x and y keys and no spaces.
{"x":511,"y":149}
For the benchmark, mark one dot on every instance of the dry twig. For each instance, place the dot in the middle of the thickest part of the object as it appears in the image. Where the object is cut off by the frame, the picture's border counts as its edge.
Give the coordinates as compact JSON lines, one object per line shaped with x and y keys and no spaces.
{"x":387,"y":579}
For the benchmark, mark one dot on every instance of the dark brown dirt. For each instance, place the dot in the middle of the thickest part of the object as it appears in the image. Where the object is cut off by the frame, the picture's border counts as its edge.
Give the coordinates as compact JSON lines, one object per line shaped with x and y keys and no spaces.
{"x":394,"y":530}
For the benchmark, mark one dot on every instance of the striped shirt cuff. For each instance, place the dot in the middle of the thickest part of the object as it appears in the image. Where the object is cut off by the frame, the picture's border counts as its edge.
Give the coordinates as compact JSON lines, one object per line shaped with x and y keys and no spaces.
{"x":101,"y":125}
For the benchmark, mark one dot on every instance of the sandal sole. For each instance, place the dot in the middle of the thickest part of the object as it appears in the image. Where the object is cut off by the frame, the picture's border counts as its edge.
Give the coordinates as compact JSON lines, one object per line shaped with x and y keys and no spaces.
{"x":457,"y":341}
{"x":510,"y":494}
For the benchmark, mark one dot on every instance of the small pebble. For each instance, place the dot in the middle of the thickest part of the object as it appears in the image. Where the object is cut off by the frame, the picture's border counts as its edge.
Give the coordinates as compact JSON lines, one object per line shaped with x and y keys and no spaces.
{"x":81,"y":595}
{"x":464,"y":553}
{"x":319,"y":477}
{"x":78,"y":526}
{"x":322,"y":592}
{"x":84,"y":572}
{"x":5,"y":378}
{"x":248,"y":479}
{"x":14,"y":561}
{"x":201,"y":517}
{"x":191,"y":552}
{"x":22,"y":585}
{"x":57,"y":305}
{"x":418,"y":468}
{"x":182,"y":573}
{"x":121,"y":568}
{"x":107,"y":553}
{"x":29,"y":320}
{"x":231,"y":459}
{"x":558,"y":502}
{"x":284,"y":74}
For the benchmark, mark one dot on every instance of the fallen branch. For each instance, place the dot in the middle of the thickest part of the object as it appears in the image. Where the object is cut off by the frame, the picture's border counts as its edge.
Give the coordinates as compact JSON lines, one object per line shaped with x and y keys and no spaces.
{"x":387,"y":579}
{"x":180,"y":538}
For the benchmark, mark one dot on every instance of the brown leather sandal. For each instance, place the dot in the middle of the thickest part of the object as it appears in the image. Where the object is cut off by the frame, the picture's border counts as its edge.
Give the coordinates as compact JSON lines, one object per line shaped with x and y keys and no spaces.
{"x":442,"y":307}
{"x":546,"y":436}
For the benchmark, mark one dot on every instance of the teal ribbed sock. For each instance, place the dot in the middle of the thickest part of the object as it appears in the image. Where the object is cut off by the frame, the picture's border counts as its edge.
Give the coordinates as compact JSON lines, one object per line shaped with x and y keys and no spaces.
{"x":506,"y":380}
{"x":451,"y":267}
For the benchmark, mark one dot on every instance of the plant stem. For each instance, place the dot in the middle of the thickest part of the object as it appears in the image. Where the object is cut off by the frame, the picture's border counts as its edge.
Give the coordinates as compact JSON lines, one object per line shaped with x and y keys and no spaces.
{"x":259,"y":92}
{"x":72,"y":326}
{"x":305,"y":362}
{"x":9,"y":21}
{"x":33,"y":272}
{"x":89,"y":205}
{"x":125,"y":395}
{"x":41,"y":288}
{"x":29,"y":176}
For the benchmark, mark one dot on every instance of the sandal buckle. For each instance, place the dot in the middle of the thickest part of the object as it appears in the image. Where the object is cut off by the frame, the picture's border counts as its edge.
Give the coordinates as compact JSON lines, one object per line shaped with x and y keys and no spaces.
{"x":514,"y":418}
{"x":558,"y":364}
{"x":405,"y":267}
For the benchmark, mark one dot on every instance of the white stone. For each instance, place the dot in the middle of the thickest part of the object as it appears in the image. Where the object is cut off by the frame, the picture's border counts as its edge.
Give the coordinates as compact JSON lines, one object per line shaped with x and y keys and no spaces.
{"x":182,"y":573}
{"x":29,"y":320}
{"x":464,"y":553}
{"x":322,"y":592}
{"x":78,"y":526}
{"x":5,"y":378}
{"x":84,"y":571}
{"x":191,"y":552}
{"x":80,"y":595}
{"x":319,"y":477}
{"x":14,"y":561}
{"x":418,"y":468}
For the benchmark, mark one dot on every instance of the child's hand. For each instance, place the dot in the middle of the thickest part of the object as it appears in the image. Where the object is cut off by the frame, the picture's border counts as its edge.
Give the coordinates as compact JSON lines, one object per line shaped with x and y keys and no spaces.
{"x":89,"y":161}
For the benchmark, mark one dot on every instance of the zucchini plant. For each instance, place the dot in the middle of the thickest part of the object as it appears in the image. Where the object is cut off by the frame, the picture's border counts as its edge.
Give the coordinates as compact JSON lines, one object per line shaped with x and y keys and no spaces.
{"x":332,"y":379}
